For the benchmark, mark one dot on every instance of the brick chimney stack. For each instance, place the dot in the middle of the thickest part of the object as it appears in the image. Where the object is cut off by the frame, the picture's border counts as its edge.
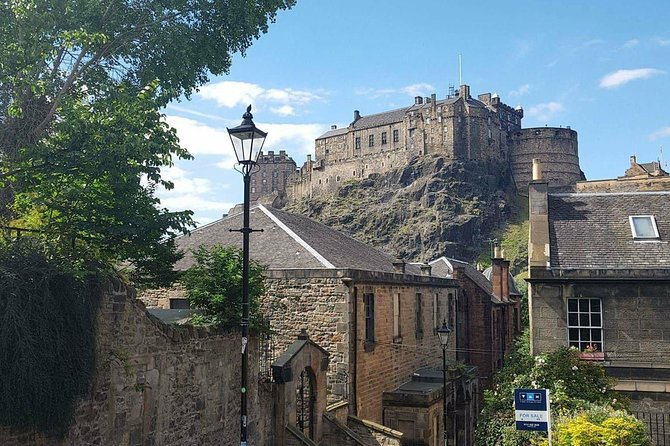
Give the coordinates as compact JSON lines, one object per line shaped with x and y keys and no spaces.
{"x":500,"y":274}
{"x":538,"y":210}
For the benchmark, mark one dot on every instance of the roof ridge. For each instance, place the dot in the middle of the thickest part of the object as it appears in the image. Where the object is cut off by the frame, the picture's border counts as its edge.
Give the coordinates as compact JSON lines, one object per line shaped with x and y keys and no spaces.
{"x":296,"y":238}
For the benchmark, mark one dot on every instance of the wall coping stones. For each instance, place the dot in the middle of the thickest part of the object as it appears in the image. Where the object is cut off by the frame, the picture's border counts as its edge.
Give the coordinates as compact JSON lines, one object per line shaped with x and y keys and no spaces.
{"x":376,"y":427}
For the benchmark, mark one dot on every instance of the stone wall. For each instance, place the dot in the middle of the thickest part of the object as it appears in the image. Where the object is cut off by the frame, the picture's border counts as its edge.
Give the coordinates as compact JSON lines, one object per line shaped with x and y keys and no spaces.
{"x":160,"y":385}
{"x":624,"y":185}
{"x":555,"y":147}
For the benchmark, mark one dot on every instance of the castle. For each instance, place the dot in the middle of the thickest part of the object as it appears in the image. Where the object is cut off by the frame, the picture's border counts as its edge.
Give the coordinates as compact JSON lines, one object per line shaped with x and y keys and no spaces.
{"x":458,"y":127}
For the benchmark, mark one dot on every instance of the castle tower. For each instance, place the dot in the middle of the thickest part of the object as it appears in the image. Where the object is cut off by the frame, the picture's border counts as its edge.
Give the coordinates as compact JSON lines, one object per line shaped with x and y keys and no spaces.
{"x":556,"y":148}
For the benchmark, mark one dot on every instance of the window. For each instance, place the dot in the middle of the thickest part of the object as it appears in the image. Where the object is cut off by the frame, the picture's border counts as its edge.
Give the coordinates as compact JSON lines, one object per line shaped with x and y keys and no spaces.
{"x":396,"y":137}
{"x":396,"y":318}
{"x":358,"y":142}
{"x":450,"y":311}
{"x":371,"y":140}
{"x":418,"y":316}
{"x":436,"y":312}
{"x":411,"y":132}
{"x":369,"y":304}
{"x":643,"y":226}
{"x":383,"y":138}
{"x":585,"y":330}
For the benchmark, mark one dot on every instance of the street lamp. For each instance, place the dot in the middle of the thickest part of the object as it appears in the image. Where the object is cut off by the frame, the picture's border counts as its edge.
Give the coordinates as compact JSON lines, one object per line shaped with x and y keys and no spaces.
{"x":443,"y":332}
{"x":247,"y":142}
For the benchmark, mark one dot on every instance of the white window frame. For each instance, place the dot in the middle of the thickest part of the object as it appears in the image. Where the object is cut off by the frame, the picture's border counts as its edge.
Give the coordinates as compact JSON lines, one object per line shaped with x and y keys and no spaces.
{"x":579,"y":326}
{"x":653,"y":225}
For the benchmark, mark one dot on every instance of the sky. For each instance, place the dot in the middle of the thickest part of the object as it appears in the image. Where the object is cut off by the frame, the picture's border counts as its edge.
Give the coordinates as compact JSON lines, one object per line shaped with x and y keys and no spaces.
{"x":600,"y":67}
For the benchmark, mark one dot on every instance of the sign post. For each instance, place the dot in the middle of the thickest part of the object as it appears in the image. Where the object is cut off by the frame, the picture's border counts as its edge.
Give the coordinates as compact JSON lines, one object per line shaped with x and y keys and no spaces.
{"x":532,"y":411}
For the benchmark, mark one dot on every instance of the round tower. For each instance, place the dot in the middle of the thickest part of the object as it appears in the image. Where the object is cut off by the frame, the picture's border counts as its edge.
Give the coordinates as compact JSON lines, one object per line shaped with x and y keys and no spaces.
{"x":555,"y":147}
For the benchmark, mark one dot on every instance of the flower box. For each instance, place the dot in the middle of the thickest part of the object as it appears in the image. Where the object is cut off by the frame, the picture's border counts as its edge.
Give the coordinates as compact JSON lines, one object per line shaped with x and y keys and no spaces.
{"x":591,"y":356}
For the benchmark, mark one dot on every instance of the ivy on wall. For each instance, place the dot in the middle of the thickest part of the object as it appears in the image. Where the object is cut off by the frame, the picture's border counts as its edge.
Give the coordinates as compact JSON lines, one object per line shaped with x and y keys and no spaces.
{"x":47,"y":338}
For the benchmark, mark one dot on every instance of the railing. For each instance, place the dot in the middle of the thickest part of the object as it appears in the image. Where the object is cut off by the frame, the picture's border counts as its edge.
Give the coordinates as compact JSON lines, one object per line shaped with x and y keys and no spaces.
{"x":659,"y":426}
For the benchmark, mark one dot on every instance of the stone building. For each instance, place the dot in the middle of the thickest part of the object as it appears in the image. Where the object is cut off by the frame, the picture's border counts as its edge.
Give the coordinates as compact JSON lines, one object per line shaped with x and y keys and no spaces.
{"x":375,"y":316}
{"x":638,"y":177}
{"x":599,"y":280}
{"x":487,"y":314}
{"x":272,"y":175}
{"x":458,"y":127}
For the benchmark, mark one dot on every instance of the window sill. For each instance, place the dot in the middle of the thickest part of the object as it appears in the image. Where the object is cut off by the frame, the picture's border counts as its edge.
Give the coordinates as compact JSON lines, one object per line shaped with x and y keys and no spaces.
{"x":369,"y":346}
{"x":591,"y":356}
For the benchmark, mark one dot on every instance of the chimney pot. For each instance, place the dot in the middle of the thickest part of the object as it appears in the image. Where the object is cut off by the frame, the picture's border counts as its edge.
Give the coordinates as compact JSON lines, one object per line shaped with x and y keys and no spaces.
{"x":418,"y":100}
{"x":333,"y":127}
{"x":426,"y":269}
{"x":633,"y":160}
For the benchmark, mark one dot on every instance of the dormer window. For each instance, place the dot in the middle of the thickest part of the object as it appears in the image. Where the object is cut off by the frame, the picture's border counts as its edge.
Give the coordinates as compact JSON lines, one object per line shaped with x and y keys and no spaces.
{"x":643,"y":227}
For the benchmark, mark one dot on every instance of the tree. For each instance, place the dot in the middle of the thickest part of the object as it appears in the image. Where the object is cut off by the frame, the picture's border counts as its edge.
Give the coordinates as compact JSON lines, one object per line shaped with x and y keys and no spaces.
{"x":82,"y":140}
{"x":214,"y":285}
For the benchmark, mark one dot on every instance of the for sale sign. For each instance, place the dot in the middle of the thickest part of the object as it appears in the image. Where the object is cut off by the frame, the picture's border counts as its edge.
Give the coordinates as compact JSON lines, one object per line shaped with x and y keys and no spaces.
{"x":531,"y":410}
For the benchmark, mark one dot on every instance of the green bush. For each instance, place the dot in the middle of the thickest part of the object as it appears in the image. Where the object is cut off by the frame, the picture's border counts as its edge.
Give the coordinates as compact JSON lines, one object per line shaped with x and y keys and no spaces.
{"x":47,"y":337}
{"x":214,"y":286}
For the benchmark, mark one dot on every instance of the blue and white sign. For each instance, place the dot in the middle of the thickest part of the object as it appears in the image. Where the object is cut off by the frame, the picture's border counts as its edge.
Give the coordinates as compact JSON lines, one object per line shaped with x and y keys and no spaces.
{"x":531,"y":410}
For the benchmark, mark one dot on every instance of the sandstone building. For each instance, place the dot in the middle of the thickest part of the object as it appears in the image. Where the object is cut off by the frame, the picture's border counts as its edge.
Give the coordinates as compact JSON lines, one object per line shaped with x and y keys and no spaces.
{"x":272,"y":175}
{"x":599,"y":281}
{"x":458,"y":127}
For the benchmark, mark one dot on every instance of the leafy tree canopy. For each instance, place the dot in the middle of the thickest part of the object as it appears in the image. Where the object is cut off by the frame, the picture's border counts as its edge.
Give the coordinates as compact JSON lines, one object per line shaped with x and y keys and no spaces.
{"x":214,"y":285}
{"x":82,"y":140}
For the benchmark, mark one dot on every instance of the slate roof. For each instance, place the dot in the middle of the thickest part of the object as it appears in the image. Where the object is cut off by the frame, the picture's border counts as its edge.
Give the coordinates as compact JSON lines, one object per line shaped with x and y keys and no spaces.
{"x":443,"y":267}
{"x":513,"y":290}
{"x":289,"y":241}
{"x":592,"y":231}
{"x":336,"y":132}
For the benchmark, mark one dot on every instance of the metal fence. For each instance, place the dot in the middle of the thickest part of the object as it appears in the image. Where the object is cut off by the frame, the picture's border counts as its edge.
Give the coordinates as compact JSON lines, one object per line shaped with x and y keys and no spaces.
{"x":659,"y":426}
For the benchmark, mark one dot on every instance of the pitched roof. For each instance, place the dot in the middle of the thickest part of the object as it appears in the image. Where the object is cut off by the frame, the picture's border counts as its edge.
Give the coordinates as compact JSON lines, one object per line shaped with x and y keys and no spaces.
{"x":444,"y":267}
{"x":593,"y":230}
{"x":335,"y":132}
{"x":384,"y":118}
{"x":289,"y":241}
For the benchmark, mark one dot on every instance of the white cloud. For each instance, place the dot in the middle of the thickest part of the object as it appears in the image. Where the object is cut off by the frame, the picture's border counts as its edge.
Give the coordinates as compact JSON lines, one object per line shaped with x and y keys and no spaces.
{"x":201,"y":139}
{"x":545,"y":111}
{"x":631,"y":43}
{"x":660,"y":133}
{"x":420,"y":89}
{"x":621,"y":77}
{"x":662,"y":42}
{"x":195,"y":203}
{"x":520,"y":91}
{"x":232,"y":94}
{"x":284,"y":110}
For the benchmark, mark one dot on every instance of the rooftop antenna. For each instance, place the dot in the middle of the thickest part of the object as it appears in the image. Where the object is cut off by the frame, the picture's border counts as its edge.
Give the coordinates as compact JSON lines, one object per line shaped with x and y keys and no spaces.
{"x":460,"y":71}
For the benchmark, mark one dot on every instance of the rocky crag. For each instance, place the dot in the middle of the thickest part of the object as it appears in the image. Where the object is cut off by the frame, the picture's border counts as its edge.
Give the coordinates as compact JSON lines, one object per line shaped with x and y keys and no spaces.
{"x":431,"y":207}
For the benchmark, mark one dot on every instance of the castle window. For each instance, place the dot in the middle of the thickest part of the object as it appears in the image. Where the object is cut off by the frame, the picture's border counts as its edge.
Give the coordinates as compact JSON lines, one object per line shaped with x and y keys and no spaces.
{"x":396,"y":318}
{"x":371,"y":140}
{"x":353,"y":174}
{"x":383,"y":137}
{"x":358,"y":142}
{"x":396,"y":138}
{"x":337,"y":178}
{"x":253,"y":190}
{"x":411,"y":132}
{"x":643,"y":227}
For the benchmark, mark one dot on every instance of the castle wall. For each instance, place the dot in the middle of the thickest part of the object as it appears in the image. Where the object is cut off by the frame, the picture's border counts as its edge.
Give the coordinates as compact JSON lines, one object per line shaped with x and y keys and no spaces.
{"x":555,"y":147}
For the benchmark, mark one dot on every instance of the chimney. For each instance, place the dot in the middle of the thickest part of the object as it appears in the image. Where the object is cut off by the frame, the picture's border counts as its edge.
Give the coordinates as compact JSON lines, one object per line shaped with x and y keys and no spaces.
{"x":537,"y":169}
{"x":282,"y":153}
{"x":433,"y":97}
{"x":538,"y":216}
{"x":500,"y":274}
{"x":399,"y":266}
{"x":333,"y":127}
{"x":418,"y":100}
{"x":426,"y":269}
{"x":464,"y":91}
{"x":633,"y":160}
{"x":271,"y":153}
{"x":357,"y":115}
{"x":427,"y":100}
{"x":485,"y":98}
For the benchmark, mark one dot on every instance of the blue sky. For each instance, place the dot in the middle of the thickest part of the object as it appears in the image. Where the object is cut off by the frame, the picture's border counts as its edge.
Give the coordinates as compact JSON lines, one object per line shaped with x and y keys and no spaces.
{"x":601,"y":67}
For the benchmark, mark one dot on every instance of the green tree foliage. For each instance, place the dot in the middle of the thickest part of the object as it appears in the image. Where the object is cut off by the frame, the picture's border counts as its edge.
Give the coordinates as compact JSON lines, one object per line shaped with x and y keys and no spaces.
{"x":574,"y":385}
{"x":81,"y":138}
{"x":214,"y":285}
{"x":47,"y":342}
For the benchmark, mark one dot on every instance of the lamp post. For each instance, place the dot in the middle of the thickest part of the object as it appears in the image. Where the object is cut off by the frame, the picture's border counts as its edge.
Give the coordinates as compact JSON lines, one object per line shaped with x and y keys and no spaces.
{"x":247,"y":142}
{"x":443,"y":332}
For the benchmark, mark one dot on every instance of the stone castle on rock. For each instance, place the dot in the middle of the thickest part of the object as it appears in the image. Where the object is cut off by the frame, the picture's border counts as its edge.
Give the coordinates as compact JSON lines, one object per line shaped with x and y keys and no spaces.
{"x":458,"y":127}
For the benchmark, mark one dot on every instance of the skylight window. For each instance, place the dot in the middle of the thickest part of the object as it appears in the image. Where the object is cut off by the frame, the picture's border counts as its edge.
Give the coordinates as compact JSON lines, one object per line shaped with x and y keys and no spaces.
{"x":643,"y":226}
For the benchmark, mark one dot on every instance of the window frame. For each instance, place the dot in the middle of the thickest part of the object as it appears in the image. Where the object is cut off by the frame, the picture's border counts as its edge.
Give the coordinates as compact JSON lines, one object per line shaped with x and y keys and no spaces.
{"x":579,"y":327}
{"x":396,"y":135}
{"x":369,"y":320}
{"x":384,"y":140}
{"x":371,"y":140}
{"x":357,"y":142}
{"x":397,"y":321}
{"x":418,"y":315}
{"x":652,"y":219}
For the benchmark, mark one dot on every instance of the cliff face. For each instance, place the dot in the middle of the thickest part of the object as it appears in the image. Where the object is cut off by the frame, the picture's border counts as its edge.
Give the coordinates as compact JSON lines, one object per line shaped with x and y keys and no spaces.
{"x":429,"y":208}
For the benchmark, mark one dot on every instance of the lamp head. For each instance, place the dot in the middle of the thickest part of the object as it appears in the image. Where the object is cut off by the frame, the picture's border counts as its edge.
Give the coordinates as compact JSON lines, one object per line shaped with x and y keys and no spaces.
{"x":443,"y":332}
{"x":247,"y":141}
